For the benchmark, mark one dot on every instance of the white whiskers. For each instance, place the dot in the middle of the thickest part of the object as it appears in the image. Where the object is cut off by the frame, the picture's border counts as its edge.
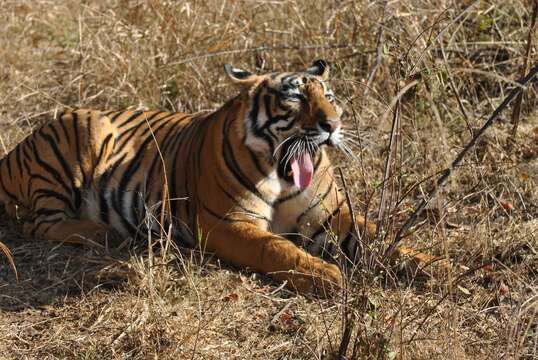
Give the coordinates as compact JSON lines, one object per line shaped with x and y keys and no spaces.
{"x":282,"y":143}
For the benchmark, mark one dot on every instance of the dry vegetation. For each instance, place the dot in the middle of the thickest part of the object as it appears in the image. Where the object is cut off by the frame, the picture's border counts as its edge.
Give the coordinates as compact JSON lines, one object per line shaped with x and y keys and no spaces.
{"x":459,"y":57}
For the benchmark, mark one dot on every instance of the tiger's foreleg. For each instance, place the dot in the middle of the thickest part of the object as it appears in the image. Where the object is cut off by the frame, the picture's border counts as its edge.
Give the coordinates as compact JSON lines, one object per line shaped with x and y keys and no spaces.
{"x":246,"y":245}
{"x":357,"y":245}
{"x":335,"y":236}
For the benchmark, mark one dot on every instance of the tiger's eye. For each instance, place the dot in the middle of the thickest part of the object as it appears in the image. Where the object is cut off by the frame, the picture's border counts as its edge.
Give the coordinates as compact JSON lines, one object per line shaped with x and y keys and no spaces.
{"x":287,"y":88}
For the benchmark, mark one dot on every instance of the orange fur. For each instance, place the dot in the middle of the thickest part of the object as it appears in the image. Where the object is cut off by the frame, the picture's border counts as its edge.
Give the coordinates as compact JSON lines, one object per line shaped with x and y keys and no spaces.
{"x":91,"y":175}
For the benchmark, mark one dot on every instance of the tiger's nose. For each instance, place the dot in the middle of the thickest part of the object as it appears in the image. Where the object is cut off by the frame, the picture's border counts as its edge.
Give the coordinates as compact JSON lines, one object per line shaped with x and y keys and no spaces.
{"x":329,"y":125}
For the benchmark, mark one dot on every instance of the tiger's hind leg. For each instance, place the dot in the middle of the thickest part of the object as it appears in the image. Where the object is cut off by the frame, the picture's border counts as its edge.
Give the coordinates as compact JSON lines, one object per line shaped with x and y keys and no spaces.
{"x":66,"y":170}
{"x":59,"y":228}
{"x":53,"y":219}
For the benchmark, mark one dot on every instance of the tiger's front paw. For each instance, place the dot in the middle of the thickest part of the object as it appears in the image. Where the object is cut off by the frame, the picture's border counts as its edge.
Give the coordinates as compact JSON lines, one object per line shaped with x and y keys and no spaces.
{"x":418,"y":263}
{"x":322,"y":279}
{"x":330,"y":282}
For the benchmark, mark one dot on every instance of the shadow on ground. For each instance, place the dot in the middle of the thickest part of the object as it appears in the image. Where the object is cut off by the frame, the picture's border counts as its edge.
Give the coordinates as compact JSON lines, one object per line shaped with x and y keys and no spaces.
{"x":49,"y":272}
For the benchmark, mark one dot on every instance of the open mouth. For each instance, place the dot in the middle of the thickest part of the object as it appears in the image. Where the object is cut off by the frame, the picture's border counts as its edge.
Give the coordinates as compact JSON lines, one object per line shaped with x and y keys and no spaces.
{"x":296,"y":162}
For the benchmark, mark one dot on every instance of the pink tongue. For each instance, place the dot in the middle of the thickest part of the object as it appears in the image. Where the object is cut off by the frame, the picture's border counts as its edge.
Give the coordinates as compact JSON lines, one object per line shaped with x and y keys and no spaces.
{"x":302,"y":169}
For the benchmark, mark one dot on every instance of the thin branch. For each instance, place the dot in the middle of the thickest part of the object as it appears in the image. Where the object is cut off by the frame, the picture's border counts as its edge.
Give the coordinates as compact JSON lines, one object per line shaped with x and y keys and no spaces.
{"x":517,"y":105}
{"x":387,"y":170}
{"x":379,"y":52}
{"x":447,"y":172}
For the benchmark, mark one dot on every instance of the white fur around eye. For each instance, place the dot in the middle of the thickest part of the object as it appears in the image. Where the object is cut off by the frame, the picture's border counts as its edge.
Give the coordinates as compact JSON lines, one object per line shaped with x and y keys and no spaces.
{"x":292,"y":90}
{"x":296,"y":82}
{"x":291,"y":94}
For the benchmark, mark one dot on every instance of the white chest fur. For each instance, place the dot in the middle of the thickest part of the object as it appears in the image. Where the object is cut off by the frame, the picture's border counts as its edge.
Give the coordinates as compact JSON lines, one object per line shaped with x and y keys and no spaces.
{"x":291,"y":215}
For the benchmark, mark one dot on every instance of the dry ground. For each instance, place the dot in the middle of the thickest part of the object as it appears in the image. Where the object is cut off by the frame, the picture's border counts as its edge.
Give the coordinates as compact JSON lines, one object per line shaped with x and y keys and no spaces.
{"x":460,"y":58}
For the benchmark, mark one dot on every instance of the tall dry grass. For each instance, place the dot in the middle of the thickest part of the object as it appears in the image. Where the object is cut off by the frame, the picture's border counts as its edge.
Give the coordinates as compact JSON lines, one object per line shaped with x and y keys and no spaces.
{"x":417,"y":78}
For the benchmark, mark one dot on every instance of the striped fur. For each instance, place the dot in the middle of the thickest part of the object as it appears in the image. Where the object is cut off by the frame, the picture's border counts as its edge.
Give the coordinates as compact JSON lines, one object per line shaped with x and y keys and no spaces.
{"x":91,"y":175}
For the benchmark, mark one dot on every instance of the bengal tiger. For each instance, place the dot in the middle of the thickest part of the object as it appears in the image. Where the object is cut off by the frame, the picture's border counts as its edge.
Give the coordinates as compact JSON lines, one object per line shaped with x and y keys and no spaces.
{"x":252,"y":177}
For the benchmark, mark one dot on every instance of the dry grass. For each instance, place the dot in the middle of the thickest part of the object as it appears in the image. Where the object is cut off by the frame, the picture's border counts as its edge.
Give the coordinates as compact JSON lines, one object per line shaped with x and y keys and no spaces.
{"x":460,"y":59}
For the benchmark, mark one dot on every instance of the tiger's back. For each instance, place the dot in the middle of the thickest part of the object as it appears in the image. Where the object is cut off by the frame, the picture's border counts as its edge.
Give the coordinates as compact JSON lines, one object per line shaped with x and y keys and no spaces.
{"x":106,"y":167}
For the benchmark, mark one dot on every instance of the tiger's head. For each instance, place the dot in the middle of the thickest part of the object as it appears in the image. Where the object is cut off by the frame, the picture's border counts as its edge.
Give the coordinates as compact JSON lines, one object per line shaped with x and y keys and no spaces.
{"x":289,"y":117}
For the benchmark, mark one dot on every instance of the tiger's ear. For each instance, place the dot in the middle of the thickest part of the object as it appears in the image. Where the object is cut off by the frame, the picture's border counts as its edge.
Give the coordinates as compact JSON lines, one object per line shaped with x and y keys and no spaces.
{"x":240,"y":76}
{"x":319,"y":68}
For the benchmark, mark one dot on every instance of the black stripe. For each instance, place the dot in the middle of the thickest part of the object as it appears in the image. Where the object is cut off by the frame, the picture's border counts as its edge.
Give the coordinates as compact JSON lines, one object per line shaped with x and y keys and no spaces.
{"x":40,"y":177}
{"x":257,"y":163}
{"x":52,"y":171}
{"x":203,"y":136}
{"x":132,"y":130}
{"x":89,"y":141}
{"x":55,"y":133}
{"x":117,"y":205}
{"x":50,"y":222}
{"x":231,"y":162}
{"x":107,"y":113}
{"x":169,"y":139}
{"x":79,"y":155}
{"x":31,"y":181}
{"x":326,"y":224}
{"x":287,"y":127}
{"x":127,"y":175}
{"x":185,"y":134}
{"x":8,"y":164}
{"x":272,"y":119}
{"x":288,"y":197}
{"x":186,"y":179}
{"x":18,"y":158}
{"x":286,"y":77}
{"x":104,"y":144}
{"x":9,"y":194}
{"x":103,"y":184}
{"x":132,"y":117}
{"x":253,"y":120}
{"x":147,"y":131}
{"x":134,"y":206}
{"x":118,"y":114}
{"x":236,"y":203}
{"x":46,"y":193}
{"x":27,"y":155}
{"x":218,"y":216}
{"x":266,"y":129}
{"x":66,"y":169}
{"x":66,"y":132}
{"x":19,"y":166}
{"x":315,"y":203}
{"x":47,"y":212}
{"x":135,"y":162}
